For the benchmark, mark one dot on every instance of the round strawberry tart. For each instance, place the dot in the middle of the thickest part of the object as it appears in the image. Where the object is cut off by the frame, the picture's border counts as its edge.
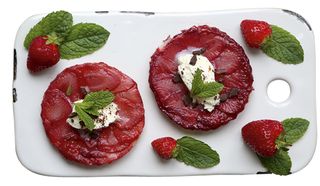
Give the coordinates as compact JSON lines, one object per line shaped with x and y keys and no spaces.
{"x":77,"y":126}
{"x":201,"y":78}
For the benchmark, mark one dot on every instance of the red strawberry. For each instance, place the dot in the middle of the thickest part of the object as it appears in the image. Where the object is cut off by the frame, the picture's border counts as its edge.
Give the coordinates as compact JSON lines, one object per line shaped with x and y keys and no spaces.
{"x":255,"y":32}
{"x":261,"y":136}
{"x":43,"y":53}
{"x":164,"y":147}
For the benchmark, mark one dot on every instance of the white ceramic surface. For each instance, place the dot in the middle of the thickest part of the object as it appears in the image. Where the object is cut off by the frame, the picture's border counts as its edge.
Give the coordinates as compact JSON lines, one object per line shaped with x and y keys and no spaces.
{"x":134,"y":37}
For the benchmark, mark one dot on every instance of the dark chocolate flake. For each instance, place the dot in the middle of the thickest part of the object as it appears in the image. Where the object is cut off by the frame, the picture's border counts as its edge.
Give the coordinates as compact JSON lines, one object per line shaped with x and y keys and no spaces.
{"x":223,"y":97}
{"x":73,"y":114}
{"x":187,"y":100}
{"x":233,"y":92}
{"x":199,"y":52}
{"x":94,"y":134}
{"x":177,"y":78}
{"x":84,"y":90}
{"x":193,"y":60}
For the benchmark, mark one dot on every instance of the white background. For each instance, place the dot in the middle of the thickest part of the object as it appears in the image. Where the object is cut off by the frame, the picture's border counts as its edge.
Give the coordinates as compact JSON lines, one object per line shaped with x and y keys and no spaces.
{"x":14,"y":12}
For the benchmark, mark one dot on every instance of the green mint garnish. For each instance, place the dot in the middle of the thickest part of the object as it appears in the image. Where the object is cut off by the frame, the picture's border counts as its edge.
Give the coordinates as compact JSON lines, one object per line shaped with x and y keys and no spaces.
{"x":90,"y":106}
{"x":283,"y":46}
{"x":280,"y":163}
{"x":83,"y":39}
{"x":195,"y":153}
{"x":73,"y":41}
{"x":202,"y":89}
{"x":56,"y":22}
{"x":85,"y":117}
{"x":294,"y":129}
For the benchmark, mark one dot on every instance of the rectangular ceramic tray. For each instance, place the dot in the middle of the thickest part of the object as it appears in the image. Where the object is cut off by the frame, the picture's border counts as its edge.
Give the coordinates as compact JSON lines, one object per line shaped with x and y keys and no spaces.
{"x":134,"y":37}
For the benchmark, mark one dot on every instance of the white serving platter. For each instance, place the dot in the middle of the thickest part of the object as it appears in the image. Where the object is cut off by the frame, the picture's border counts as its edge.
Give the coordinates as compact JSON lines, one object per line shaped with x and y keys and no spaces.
{"x":134,"y":37}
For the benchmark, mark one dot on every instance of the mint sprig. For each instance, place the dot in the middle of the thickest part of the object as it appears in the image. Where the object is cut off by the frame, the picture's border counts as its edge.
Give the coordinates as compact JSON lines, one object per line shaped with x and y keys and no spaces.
{"x":280,"y":163}
{"x":56,"y":22}
{"x":83,"y":39}
{"x":202,"y":89}
{"x":294,"y":129}
{"x":90,"y":106}
{"x":283,"y":46}
{"x":195,"y":153}
{"x":74,"y":41}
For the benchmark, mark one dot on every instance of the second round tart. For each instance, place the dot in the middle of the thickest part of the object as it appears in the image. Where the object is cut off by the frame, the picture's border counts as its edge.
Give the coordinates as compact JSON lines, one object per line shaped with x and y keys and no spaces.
{"x":232,"y":69}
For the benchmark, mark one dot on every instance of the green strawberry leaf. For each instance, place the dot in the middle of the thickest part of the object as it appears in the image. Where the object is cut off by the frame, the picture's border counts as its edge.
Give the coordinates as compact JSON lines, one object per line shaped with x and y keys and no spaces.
{"x":279,"y":164}
{"x":195,"y":153}
{"x":283,"y":46}
{"x":56,"y":22}
{"x":201,"y":89}
{"x":86,"y":118}
{"x":294,"y":129}
{"x":83,"y":39}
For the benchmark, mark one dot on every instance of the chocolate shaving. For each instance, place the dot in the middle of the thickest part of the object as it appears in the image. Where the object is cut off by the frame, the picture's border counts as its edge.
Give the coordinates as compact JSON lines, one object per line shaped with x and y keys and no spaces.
{"x":233,"y":92}
{"x":73,"y":114}
{"x":187,"y":100}
{"x":177,"y":78}
{"x":199,"y":52}
{"x":223,"y":97}
{"x":193,"y":60}
{"x":94,"y":134}
{"x":84,"y":90}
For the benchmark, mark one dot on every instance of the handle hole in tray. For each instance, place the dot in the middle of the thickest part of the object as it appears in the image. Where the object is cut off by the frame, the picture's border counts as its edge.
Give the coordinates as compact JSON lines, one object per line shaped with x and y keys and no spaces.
{"x":278,"y":90}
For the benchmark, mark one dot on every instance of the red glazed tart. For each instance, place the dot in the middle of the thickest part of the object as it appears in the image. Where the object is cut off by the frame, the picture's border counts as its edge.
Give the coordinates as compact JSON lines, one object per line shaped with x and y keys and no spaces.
{"x":101,"y":146}
{"x":232,"y":69}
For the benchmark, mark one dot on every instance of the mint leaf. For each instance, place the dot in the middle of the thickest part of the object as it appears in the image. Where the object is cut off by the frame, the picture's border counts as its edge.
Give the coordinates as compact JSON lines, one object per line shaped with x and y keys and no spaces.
{"x":83,"y":39}
{"x":195,"y":153}
{"x":197,"y":82}
{"x":210,"y":89}
{"x":56,"y":22}
{"x":294,"y":129}
{"x":201,"y":89}
{"x":83,"y":116}
{"x":99,"y":99}
{"x":279,"y":164}
{"x":283,"y":46}
{"x":85,"y":105}
{"x":90,"y":106}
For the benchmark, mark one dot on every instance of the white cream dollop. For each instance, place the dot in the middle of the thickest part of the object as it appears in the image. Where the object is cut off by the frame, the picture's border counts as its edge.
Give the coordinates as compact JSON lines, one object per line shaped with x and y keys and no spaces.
{"x":107,"y":116}
{"x":187,"y":71}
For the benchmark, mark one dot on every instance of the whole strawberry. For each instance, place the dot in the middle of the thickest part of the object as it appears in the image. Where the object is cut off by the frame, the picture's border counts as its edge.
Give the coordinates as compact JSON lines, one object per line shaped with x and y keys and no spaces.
{"x":270,"y":140}
{"x":261,"y":136}
{"x":164,"y":147}
{"x":187,"y":150}
{"x":43,"y":53}
{"x":255,"y":32}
